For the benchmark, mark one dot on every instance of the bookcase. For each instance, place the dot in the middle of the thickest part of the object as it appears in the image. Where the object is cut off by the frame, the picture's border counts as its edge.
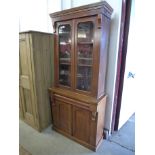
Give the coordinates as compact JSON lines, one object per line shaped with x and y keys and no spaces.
{"x":78,"y":96}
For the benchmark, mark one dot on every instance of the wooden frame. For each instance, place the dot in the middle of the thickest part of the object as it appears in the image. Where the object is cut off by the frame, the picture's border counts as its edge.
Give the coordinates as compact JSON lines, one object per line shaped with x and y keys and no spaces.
{"x":94,"y":57}
{"x":56,"y":56}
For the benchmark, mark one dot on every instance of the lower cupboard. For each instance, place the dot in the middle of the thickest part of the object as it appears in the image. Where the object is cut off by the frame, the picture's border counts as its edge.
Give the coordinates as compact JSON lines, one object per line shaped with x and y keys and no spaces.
{"x":79,"y":121}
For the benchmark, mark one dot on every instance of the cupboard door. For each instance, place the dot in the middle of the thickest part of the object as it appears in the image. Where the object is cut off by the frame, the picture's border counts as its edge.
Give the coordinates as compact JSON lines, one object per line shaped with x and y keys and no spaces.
{"x":65,"y":117}
{"x":26,"y":96}
{"x":64,"y":53}
{"x":81,"y":124}
{"x":84,"y":51}
{"x":55,"y":114}
{"x":62,"y":116}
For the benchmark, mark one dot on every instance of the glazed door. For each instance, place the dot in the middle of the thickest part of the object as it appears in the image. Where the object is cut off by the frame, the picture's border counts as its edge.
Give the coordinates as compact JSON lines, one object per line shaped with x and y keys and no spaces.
{"x":84,"y":54}
{"x":64,"y":54}
{"x":26,"y":97}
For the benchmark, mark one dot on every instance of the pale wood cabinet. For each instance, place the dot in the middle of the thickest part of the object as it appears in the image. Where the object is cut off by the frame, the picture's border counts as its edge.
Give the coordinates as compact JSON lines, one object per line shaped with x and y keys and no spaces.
{"x":36,"y":76}
{"x":78,"y":96}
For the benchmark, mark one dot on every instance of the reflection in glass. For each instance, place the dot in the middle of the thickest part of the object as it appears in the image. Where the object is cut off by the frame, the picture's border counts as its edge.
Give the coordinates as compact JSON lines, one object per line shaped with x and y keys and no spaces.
{"x":84,"y":55}
{"x":64,"y":54}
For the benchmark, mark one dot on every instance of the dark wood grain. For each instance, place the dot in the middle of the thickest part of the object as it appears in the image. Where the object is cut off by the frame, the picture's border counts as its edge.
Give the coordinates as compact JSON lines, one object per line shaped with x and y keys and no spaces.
{"x":81,"y":129}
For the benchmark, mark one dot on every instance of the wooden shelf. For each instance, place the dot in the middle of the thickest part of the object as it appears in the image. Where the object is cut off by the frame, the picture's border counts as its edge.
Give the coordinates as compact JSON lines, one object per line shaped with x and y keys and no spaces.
{"x":65,"y":58}
{"x":62,"y":33}
{"x":85,"y":43}
{"x":83,"y":76}
{"x":85,"y":58}
{"x":84,"y":65}
{"x":64,"y":43}
{"x":63,"y":63}
{"x":64,"y":74}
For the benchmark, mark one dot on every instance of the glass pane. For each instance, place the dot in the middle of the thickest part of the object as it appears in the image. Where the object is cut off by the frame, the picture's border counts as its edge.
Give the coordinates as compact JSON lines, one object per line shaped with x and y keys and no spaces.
{"x":84,"y":55}
{"x":65,"y":54}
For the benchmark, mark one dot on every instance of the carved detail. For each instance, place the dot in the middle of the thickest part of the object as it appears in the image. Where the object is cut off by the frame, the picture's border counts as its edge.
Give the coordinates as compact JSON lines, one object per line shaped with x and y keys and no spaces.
{"x":99,"y":20}
{"x":52,"y":100}
{"x":94,"y":114}
{"x":54,"y":27}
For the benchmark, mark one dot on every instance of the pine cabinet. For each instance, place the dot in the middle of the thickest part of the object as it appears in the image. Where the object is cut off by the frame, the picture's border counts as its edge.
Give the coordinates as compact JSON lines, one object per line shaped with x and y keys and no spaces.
{"x":35,"y":59}
{"x":78,"y":96}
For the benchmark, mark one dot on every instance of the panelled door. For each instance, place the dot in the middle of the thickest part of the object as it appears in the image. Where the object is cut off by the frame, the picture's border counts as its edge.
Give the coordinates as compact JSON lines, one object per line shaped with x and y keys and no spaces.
{"x":25,"y":82}
{"x":81,"y":124}
{"x":62,"y":115}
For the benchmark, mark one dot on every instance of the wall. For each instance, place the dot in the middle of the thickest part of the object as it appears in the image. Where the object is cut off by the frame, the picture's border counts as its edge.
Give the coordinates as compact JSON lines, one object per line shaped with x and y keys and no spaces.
{"x":34,"y":15}
{"x":112,"y":59}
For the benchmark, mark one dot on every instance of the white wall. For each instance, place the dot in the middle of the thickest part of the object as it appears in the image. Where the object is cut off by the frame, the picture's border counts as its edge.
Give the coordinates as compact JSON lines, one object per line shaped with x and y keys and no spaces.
{"x":66,"y":4}
{"x":76,"y":3}
{"x":112,"y":59}
{"x":34,"y":14}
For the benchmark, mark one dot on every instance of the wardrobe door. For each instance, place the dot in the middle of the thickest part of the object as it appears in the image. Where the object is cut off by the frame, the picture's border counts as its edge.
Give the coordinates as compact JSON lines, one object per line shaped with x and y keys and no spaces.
{"x":25,"y":84}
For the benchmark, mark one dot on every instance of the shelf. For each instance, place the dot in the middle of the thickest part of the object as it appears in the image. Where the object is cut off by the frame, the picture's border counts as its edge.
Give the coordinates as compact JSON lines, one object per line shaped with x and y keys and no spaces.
{"x":84,"y":77}
{"x":84,"y":58}
{"x":68,"y":75}
{"x":66,"y":59}
{"x":84,"y":65}
{"x":64,"y":43}
{"x":63,"y":63}
{"x":83,"y":43}
{"x":62,"y":33}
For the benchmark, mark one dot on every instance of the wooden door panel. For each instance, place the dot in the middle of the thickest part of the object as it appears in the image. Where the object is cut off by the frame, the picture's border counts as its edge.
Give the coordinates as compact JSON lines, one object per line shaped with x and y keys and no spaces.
{"x":26,"y":101}
{"x":27,"y":106}
{"x":55,"y":114}
{"x":23,"y":57}
{"x":65,"y":117}
{"x":81,"y":124}
{"x":24,"y":81}
{"x":21,"y":114}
